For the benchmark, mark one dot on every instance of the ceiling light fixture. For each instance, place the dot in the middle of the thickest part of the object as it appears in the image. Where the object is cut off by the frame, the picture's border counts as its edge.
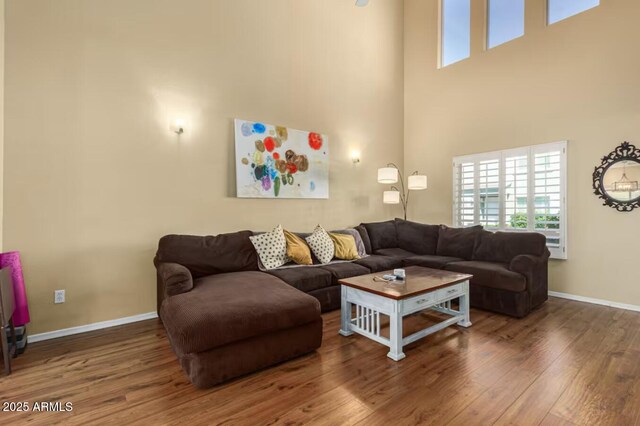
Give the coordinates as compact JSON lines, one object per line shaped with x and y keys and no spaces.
{"x":362,"y":3}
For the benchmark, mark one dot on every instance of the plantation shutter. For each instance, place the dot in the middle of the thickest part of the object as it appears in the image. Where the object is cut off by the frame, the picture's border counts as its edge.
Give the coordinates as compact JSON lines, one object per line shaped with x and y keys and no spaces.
{"x":520,"y":189}
{"x":488,"y":205}
{"x":516,"y":190}
{"x":549,"y":195}
{"x":464,"y":194}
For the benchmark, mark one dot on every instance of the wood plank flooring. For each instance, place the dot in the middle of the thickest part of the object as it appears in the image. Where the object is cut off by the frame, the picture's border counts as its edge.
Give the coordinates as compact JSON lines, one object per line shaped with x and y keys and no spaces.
{"x":568,"y":363}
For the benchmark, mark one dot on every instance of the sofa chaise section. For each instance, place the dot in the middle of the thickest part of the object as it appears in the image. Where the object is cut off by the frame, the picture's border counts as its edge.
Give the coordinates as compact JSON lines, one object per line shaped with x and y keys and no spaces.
{"x":223,"y":321}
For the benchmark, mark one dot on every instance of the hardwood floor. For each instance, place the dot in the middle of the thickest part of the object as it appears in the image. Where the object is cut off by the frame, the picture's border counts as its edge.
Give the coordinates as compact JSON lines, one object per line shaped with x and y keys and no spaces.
{"x":568,"y":363}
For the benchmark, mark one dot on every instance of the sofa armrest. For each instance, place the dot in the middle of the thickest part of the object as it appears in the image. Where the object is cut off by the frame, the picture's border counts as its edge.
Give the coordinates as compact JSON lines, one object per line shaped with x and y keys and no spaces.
{"x":175,"y":279}
{"x":535,"y":270}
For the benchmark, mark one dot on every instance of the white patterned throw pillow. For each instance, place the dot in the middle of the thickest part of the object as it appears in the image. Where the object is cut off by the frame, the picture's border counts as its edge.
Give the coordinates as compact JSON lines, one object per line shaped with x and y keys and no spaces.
{"x":321,"y":245}
{"x":271,"y":248}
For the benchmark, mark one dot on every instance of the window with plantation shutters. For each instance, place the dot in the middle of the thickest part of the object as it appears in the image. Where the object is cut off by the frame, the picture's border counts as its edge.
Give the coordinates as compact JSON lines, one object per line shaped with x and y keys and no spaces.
{"x":522,"y":189}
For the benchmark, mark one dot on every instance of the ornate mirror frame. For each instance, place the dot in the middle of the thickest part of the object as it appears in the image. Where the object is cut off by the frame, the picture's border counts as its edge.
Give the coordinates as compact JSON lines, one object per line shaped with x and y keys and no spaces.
{"x":625,"y":151}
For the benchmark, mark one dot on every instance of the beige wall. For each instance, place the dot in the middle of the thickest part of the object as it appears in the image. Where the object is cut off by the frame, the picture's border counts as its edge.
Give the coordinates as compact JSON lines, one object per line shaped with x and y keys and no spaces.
{"x":577,"y":80}
{"x":93,"y":175}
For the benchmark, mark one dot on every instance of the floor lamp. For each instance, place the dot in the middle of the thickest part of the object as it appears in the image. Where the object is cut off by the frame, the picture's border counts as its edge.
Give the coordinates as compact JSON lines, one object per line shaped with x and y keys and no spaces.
{"x":389,"y":175}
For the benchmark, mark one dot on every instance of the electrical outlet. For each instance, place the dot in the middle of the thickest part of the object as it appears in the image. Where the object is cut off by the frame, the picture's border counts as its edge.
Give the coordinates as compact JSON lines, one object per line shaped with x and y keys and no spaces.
{"x":58,"y":296}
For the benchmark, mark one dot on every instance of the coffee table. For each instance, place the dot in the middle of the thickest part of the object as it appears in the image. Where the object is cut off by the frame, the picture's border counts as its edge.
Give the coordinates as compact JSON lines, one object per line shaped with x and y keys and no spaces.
{"x":423,"y":288}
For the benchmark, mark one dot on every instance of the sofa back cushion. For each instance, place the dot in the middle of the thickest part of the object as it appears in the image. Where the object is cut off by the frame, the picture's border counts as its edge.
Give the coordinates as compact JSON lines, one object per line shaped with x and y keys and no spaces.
{"x":211,"y":254}
{"x":382,"y":235}
{"x":457,"y":242}
{"x":504,"y":246}
{"x":417,"y":238}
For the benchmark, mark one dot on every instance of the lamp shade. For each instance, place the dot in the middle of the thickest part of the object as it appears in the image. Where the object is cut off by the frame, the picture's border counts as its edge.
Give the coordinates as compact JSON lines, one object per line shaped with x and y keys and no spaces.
{"x":388,"y":175}
{"x":417,"y":182}
{"x":391,"y":197}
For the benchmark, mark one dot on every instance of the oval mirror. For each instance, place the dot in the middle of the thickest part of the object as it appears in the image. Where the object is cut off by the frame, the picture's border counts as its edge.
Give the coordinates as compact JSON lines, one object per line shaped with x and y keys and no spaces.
{"x":617,"y":179}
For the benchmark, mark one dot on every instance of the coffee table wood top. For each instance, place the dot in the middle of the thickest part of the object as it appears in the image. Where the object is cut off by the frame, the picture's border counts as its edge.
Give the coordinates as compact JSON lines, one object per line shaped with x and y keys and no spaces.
{"x":418,"y":280}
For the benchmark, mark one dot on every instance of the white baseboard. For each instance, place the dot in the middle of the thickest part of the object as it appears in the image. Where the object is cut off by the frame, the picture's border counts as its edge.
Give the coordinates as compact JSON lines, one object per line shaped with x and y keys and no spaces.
{"x":151,"y":315}
{"x":90,"y":327}
{"x":618,"y":305}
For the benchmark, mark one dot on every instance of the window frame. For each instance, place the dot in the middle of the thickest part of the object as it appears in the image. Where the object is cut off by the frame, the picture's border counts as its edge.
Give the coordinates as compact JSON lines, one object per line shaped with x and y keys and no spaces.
{"x":560,"y":252}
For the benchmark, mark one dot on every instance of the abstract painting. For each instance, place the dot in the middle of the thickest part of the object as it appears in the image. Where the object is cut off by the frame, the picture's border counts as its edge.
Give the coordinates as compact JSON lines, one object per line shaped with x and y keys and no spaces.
{"x":278,"y":162}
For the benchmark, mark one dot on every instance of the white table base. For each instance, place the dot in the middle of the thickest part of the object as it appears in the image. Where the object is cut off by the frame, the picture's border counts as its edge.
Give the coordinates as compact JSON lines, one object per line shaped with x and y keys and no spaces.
{"x":369,"y":306}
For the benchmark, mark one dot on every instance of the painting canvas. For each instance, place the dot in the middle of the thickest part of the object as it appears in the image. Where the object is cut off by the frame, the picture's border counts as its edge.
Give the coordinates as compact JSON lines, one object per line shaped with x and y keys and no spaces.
{"x":278,"y":162}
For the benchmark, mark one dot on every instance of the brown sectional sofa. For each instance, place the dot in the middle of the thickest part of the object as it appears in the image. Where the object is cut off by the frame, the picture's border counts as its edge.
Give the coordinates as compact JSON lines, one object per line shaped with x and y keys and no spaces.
{"x":225,"y":318}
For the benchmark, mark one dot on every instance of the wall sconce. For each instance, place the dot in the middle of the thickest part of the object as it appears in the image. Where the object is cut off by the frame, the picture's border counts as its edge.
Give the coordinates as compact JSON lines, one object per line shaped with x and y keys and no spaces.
{"x":179,"y":125}
{"x":355,"y":157}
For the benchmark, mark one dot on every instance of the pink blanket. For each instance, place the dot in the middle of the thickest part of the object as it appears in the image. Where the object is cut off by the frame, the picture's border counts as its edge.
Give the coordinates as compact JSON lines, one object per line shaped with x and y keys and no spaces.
{"x":12,"y":259}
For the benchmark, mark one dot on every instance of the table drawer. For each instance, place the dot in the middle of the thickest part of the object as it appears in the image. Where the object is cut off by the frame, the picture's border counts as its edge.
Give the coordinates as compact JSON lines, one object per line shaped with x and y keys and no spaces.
{"x":450,"y":292}
{"x":418,"y":303}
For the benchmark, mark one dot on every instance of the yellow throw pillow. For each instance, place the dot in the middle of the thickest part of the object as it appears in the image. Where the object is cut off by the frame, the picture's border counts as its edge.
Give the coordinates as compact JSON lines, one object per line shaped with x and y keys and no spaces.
{"x":345,"y":246}
{"x":297,"y":249}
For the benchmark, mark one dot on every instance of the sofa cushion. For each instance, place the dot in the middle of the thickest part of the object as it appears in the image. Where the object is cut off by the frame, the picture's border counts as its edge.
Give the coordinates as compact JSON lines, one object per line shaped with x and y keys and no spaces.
{"x":457,"y":242}
{"x":344,"y":270}
{"x":271,"y":248}
{"x":226,"y":308}
{"x":395,"y":252}
{"x":329,"y":297}
{"x":377,"y":263}
{"x":429,"y":261}
{"x":209,"y":255}
{"x":362,"y":251}
{"x":490,"y":274}
{"x":297,"y":249}
{"x":365,"y":238}
{"x":304,"y":279}
{"x":504,"y":246}
{"x":417,"y":237}
{"x":345,"y":246}
{"x":321,"y":245}
{"x":382,"y":235}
